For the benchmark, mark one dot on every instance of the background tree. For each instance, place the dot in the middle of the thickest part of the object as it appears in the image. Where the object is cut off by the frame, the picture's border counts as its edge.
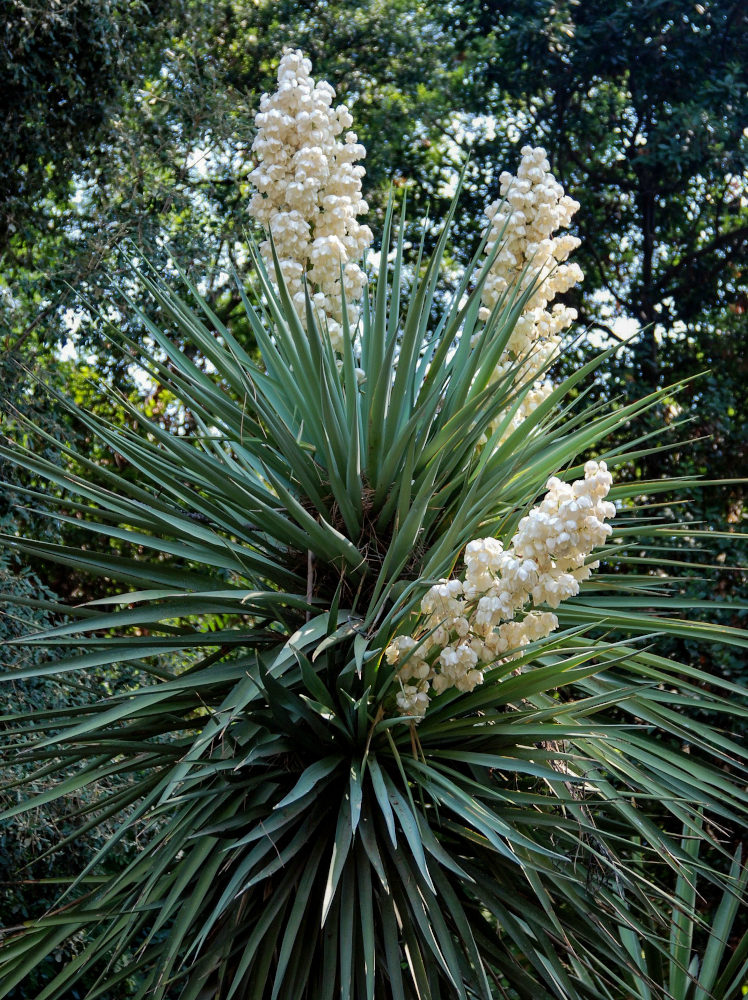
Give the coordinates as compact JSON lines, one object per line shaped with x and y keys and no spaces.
{"x":65,"y":69}
{"x":642,"y":109}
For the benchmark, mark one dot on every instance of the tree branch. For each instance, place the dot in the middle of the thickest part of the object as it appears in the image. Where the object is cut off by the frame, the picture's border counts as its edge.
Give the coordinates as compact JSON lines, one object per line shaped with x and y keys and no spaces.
{"x":724,"y":239}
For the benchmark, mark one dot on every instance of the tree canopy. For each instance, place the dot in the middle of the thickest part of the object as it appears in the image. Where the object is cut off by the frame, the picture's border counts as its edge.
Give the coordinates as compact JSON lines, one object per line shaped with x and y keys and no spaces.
{"x":146,"y":145}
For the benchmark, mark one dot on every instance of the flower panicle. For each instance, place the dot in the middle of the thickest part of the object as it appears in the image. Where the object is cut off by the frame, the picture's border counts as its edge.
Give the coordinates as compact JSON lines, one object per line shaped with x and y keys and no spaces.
{"x":308,"y":194}
{"x":471,"y":625}
{"x":531,"y":208}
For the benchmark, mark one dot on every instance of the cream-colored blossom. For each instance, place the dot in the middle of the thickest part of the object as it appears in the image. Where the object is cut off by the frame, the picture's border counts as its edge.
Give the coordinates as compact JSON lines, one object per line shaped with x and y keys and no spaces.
{"x":531,"y":208}
{"x":470,"y":625}
{"x":308,"y":193}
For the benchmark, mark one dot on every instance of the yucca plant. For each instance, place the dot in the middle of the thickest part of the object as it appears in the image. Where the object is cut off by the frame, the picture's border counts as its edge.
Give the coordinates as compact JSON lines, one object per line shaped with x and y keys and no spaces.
{"x":717,"y":970}
{"x":302,"y":830}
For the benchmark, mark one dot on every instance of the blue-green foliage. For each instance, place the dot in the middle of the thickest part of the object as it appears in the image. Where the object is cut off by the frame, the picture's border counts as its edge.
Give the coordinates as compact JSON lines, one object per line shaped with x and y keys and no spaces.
{"x":32,"y":873}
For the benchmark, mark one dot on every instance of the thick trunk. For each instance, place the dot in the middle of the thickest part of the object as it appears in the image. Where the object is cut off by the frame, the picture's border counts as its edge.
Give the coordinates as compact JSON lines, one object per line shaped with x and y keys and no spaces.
{"x":646,"y":363}
{"x":645,"y":355}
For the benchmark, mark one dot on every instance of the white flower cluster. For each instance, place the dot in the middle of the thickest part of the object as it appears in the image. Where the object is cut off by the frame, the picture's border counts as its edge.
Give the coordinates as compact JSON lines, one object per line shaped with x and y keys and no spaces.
{"x":470,"y":625}
{"x":309,"y":193}
{"x":531,"y":208}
